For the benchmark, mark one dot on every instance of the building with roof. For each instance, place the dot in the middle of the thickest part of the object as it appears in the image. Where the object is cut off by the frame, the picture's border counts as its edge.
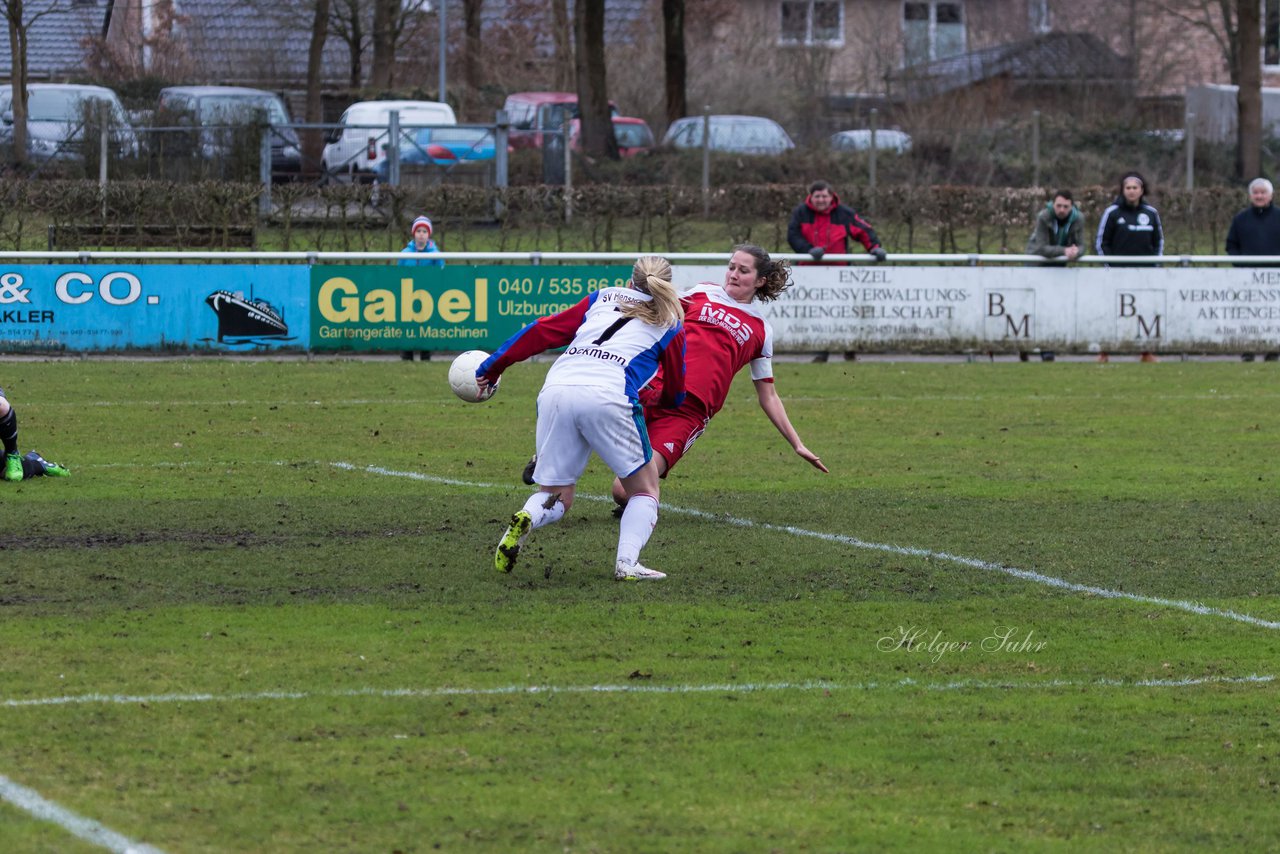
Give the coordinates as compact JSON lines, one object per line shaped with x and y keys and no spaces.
{"x":1046,"y":71}
{"x":58,"y":38}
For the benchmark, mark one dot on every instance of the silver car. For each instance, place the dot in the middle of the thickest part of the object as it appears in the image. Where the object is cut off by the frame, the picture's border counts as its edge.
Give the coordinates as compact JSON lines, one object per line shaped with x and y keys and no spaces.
{"x":733,"y":134}
{"x":860,"y":140}
{"x":57,"y":114}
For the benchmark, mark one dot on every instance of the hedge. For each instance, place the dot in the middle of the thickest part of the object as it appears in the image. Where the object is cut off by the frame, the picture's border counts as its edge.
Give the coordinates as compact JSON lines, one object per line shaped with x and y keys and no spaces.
{"x":364,"y":218}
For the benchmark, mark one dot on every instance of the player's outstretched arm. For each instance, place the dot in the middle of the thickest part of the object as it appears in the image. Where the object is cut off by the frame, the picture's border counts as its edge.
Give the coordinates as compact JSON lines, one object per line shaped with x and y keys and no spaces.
{"x":777,"y":413}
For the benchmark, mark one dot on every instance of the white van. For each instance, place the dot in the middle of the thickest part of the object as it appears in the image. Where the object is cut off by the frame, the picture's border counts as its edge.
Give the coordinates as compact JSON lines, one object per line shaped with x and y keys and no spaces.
{"x":359,"y":144}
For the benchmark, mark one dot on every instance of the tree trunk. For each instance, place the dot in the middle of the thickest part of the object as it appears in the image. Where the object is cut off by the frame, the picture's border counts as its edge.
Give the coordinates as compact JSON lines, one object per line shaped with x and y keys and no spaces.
{"x":471,"y":53}
{"x":675,"y":63}
{"x":562,"y":33}
{"x":18,"y":50}
{"x":1249,"y":95}
{"x":382,"y":74}
{"x":356,"y":54}
{"x":313,"y":140}
{"x":593,"y":90}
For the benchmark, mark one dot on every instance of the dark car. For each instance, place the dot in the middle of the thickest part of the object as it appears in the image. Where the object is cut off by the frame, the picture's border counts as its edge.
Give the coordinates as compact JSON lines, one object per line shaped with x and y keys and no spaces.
{"x":228,"y":119}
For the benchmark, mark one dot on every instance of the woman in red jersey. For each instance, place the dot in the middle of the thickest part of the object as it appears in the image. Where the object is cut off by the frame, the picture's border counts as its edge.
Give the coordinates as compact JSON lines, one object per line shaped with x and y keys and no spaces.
{"x":724,"y":331}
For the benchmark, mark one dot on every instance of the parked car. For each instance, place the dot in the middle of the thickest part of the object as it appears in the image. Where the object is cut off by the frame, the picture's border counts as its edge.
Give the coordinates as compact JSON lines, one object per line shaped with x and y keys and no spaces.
{"x":860,"y":140}
{"x":57,"y":114}
{"x":359,"y":144}
{"x":442,"y":146}
{"x":228,"y":117}
{"x":734,"y":134}
{"x":633,"y":135}
{"x":533,"y":113}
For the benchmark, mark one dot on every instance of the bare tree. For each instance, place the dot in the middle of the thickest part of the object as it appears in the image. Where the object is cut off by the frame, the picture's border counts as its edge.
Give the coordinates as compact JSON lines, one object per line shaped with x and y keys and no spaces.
{"x":313,"y":140}
{"x":471,"y":34}
{"x":675,"y":63}
{"x":1235,"y":26}
{"x":1249,"y":93}
{"x":20,"y":23}
{"x":347,"y":21}
{"x":386,"y":24}
{"x":598,"y":139}
{"x":562,"y":33}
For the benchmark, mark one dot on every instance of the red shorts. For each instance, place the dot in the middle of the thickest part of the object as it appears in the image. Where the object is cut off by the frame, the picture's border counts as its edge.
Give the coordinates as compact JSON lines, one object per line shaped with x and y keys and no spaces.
{"x":672,"y":432}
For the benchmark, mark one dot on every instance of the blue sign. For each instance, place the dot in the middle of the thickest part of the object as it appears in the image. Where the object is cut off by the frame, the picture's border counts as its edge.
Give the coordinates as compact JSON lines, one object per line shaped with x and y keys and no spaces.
{"x":99,"y":307}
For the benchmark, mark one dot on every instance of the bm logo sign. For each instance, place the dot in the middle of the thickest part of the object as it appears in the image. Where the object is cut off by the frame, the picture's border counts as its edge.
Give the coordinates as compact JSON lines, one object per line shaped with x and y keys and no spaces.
{"x":1010,"y":314}
{"x":1140,"y":315}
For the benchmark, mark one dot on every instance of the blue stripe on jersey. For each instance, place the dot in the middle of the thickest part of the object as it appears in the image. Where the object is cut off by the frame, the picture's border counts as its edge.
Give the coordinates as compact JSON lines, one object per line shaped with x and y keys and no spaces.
{"x":645,"y":365}
{"x":637,"y":417}
{"x":488,"y":363}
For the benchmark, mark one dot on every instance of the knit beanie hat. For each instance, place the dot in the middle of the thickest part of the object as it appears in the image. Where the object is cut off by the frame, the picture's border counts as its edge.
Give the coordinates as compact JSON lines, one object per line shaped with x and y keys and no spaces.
{"x":419,"y":223}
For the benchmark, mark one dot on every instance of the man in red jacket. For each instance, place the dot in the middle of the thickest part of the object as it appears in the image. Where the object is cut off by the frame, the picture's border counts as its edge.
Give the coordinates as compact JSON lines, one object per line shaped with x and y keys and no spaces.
{"x":822,"y":226}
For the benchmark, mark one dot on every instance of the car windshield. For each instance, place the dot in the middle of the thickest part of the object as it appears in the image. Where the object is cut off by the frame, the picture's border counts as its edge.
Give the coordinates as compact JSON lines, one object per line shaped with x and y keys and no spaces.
{"x":61,"y":105}
{"x":633,"y":136}
{"x":746,"y":134}
{"x":240,"y":109}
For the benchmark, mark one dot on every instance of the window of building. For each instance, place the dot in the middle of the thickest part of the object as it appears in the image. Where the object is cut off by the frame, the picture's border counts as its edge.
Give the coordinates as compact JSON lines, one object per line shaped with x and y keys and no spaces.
{"x":813,"y":22}
{"x":933,"y":29}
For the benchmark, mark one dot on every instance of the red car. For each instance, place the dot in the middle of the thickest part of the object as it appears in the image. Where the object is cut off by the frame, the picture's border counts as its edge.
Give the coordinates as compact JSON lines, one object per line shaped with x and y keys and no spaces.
{"x":532,"y":113}
{"x":633,"y":135}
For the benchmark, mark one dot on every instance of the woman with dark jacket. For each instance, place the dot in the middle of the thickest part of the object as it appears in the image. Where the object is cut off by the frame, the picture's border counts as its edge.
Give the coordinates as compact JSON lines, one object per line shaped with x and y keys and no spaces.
{"x":1130,"y":226}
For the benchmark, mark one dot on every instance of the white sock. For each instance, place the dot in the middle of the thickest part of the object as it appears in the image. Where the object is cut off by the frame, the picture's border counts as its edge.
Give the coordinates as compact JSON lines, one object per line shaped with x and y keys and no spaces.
{"x":637,"y":524}
{"x":545,"y":508}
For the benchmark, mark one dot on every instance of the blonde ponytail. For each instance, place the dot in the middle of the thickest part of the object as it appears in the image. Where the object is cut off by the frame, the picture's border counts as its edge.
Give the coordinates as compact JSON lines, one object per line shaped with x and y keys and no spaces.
{"x":652,"y":275}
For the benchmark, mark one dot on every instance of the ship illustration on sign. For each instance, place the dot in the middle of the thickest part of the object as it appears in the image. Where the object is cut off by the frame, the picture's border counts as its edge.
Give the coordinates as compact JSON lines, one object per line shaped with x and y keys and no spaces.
{"x":244,"y":320}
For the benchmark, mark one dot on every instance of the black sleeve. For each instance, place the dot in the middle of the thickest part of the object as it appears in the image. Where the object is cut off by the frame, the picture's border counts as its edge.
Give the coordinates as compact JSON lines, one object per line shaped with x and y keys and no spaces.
{"x":794,"y":235}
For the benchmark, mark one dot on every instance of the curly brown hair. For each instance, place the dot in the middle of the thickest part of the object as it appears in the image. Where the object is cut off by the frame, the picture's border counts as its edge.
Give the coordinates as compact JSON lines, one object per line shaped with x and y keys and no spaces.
{"x":772,"y":277}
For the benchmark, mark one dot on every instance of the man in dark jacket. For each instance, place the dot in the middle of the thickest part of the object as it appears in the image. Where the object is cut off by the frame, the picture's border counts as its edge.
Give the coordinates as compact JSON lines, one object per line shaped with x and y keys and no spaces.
{"x":821,"y":225}
{"x":1256,"y":229}
{"x":1059,"y":231}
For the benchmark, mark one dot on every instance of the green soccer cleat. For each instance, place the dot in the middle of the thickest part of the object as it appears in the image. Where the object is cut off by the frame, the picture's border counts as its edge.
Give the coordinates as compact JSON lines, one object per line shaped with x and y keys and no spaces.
{"x":504,"y":559}
{"x":12,"y":467}
{"x":55,"y":470}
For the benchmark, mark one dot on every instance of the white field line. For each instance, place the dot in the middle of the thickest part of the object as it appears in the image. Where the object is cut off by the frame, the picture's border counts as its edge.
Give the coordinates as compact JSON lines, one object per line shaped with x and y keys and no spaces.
{"x":432,"y":401}
{"x":31,"y":802}
{"x":723,"y":688}
{"x":975,"y":563}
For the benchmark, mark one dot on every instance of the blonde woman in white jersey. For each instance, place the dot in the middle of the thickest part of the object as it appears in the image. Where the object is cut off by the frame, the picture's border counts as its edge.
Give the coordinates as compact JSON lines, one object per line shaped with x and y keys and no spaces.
{"x":616,"y":339}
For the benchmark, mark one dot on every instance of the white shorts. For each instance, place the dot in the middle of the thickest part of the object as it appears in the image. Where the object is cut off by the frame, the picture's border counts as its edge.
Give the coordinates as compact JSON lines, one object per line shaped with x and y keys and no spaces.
{"x":574,"y":420}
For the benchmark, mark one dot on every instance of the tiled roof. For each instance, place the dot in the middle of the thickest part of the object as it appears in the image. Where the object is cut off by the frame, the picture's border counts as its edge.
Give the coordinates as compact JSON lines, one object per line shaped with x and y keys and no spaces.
{"x":251,"y":41}
{"x":244,"y":41}
{"x":622,"y":19}
{"x":1051,"y":58}
{"x":55,"y":47}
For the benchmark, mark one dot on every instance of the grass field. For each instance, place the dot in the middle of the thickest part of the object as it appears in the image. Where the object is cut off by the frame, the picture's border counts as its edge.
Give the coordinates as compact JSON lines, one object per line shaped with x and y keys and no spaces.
{"x":1033,"y":607}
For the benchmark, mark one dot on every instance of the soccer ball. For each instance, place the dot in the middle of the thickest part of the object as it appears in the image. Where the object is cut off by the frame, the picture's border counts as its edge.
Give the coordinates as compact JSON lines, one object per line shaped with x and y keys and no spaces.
{"x":462,"y":377}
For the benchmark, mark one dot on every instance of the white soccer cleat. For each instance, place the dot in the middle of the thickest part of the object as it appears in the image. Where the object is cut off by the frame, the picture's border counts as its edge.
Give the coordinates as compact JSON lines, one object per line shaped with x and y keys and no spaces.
{"x":625,"y":571}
